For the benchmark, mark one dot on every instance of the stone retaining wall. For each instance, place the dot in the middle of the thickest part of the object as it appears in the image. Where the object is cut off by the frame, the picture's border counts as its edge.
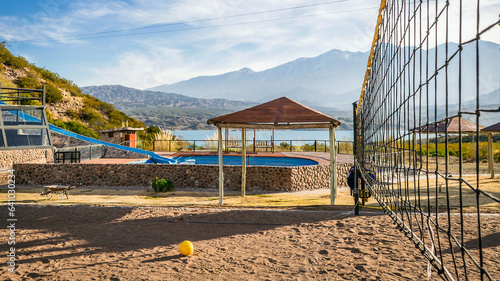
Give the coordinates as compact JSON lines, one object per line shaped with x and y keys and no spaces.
{"x":9,"y":157}
{"x":183,"y":176}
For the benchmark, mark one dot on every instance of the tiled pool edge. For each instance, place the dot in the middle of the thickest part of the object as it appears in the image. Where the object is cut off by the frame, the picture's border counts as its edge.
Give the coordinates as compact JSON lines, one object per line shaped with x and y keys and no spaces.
{"x":183,"y":176}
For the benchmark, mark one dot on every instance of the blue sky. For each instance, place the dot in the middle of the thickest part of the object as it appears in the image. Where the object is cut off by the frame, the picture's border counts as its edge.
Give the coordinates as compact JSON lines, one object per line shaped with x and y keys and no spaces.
{"x":146,"y":43}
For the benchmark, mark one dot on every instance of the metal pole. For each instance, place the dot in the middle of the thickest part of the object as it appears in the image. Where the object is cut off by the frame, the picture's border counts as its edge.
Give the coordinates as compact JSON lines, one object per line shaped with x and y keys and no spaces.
{"x":333,"y":167}
{"x":490,"y":155}
{"x":221,"y":169}
{"x":243,"y":161}
{"x":315,"y":146}
{"x":355,"y":191}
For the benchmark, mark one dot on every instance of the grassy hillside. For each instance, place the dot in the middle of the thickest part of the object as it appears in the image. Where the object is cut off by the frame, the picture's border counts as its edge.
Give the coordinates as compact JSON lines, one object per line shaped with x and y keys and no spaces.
{"x":67,"y":106}
{"x":173,"y":118}
{"x":128,"y":98}
{"x":179,"y":112}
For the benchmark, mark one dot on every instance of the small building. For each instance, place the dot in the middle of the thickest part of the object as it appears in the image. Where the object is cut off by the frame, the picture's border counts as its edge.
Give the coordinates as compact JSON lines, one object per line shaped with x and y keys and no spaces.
{"x":126,"y":136}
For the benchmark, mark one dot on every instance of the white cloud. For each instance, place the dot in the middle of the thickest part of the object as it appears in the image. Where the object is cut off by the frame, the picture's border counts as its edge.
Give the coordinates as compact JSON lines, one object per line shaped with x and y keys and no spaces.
{"x":222,"y":44}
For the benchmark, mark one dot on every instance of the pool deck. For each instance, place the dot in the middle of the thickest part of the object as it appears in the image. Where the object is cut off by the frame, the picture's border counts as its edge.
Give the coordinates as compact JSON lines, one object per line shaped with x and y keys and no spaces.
{"x":323,"y":158}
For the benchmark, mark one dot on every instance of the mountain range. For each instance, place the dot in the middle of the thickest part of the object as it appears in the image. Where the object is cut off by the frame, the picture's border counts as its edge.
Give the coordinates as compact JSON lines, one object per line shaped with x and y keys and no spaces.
{"x":306,"y":80}
{"x":179,"y":112}
{"x":165,"y":110}
{"x":329,"y":83}
{"x":334,"y":79}
{"x":127,"y":98}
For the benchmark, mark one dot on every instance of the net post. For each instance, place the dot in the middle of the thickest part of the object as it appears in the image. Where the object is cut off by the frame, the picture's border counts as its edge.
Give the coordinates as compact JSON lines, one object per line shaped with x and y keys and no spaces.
{"x":333,"y":167}
{"x":355,"y":190}
{"x":243,"y":161}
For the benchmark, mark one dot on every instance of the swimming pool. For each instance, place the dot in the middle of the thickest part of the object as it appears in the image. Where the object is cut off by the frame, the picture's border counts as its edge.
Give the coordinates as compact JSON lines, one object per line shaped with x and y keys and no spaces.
{"x":233,"y":161}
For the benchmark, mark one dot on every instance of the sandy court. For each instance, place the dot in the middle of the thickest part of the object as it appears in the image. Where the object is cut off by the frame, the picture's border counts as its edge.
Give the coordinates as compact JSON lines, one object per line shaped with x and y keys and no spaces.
{"x":123,"y":243}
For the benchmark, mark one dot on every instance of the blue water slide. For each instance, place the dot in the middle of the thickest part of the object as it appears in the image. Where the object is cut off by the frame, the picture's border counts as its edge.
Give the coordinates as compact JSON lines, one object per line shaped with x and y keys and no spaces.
{"x":154,"y":156}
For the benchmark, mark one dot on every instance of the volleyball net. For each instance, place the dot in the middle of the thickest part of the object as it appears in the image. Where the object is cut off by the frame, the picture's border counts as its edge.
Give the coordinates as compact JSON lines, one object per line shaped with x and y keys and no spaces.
{"x":425,"y":124}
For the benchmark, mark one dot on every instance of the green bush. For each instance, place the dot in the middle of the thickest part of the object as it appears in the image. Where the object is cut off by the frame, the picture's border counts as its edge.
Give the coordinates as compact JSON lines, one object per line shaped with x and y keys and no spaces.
{"x":8,"y":59}
{"x":89,"y":115}
{"x":496,"y":156}
{"x":79,"y":129}
{"x":53,"y":94}
{"x":27,"y":82}
{"x":72,"y":114}
{"x":439,"y":152}
{"x":103,"y":107}
{"x":162,"y":185}
{"x":152,"y":130}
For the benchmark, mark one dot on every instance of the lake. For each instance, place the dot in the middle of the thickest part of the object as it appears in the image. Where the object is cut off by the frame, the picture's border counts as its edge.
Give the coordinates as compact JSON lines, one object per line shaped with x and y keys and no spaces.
{"x":284,"y":135}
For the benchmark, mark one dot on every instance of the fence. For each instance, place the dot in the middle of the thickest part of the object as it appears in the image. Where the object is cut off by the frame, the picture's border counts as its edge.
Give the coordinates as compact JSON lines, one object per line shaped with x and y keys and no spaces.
{"x":79,"y":153}
{"x":420,"y":91}
{"x":140,"y":144}
{"x":344,"y":147}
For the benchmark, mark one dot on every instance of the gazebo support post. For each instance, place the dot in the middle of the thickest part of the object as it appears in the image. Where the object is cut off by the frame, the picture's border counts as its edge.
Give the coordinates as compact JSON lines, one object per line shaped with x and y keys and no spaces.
{"x":221,"y":169}
{"x":333,"y":167}
{"x":491,"y":167}
{"x":243,"y":161}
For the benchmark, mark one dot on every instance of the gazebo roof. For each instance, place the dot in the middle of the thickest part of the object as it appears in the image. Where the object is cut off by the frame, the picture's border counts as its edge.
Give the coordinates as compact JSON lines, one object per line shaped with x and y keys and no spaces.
{"x":282,"y":113}
{"x":451,"y":125}
{"x":495,"y":128}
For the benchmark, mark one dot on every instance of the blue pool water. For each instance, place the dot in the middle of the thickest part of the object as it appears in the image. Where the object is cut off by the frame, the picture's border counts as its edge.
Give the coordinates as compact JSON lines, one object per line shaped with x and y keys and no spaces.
{"x":234,"y":160}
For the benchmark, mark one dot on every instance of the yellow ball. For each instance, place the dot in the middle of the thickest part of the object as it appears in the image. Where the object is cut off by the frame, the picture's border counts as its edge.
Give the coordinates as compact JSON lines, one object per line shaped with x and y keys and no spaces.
{"x":186,"y":248}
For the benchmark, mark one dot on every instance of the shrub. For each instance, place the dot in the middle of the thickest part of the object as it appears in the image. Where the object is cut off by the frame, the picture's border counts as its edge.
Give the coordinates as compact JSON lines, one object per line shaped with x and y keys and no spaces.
{"x":285,"y":145}
{"x":439,"y":152}
{"x":89,"y":114}
{"x":167,"y":141}
{"x":53,"y":94}
{"x":72,"y":114}
{"x":79,"y":129}
{"x":8,"y":59}
{"x":497,"y":157}
{"x":152,"y":130}
{"x":27,"y":82}
{"x":162,"y":185}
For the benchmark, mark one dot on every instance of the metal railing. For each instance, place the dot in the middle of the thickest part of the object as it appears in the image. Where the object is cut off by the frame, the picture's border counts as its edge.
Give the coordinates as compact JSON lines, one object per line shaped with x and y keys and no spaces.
{"x":64,"y":157}
{"x":83,"y":153}
{"x":342,"y":146}
{"x":140,"y":144}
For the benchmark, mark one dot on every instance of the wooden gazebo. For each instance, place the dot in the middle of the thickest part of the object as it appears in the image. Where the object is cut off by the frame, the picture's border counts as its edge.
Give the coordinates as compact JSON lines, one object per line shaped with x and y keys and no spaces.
{"x":452,"y":125}
{"x":490,"y":130}
{"x":281,"y":113}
